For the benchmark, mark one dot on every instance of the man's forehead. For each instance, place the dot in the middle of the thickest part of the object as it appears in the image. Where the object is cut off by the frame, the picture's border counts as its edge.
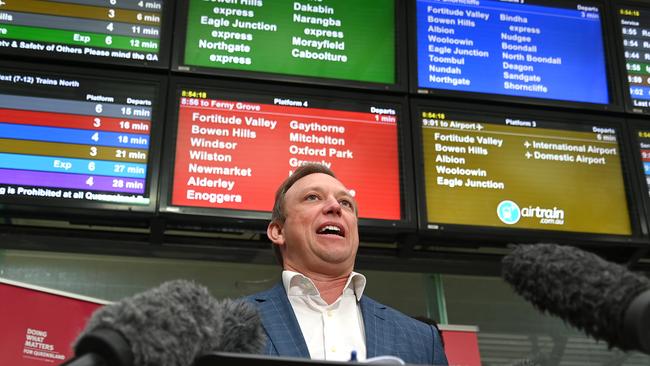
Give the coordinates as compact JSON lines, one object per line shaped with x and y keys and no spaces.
{"x":318,"y":181}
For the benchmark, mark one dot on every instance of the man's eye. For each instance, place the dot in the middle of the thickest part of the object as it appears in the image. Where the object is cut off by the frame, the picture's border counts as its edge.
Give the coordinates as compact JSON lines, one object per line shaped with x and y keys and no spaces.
{"x":346,"y":203}
{"x":311,"y":197}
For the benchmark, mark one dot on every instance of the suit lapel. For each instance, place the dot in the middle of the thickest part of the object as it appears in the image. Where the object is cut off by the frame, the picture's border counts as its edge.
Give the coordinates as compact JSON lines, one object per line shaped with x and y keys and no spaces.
{"x":280,"y":322}
{"x":374,"y":323}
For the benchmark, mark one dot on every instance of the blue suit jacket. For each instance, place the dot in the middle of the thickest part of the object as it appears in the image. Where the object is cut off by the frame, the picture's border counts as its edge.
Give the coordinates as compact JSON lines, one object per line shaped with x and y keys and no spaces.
{"x":388,"y":332}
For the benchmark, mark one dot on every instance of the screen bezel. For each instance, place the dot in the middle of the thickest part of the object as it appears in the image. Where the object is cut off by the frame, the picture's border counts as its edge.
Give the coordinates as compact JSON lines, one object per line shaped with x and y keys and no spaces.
{"x":401,"y":76}
{"x":250,"y":219}
{"x":48,"y":207}
{"x":614,"y":89}
{"x":460,"y":233}
{"x":163,"y":54}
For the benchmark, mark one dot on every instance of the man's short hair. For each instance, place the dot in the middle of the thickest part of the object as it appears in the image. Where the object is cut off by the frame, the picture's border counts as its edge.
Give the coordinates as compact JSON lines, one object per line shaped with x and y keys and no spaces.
{"x":277,"y":215}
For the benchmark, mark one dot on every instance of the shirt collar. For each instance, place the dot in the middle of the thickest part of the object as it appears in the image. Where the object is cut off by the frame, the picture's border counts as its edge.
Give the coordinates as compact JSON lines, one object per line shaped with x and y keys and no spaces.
{"x":356,"y":282}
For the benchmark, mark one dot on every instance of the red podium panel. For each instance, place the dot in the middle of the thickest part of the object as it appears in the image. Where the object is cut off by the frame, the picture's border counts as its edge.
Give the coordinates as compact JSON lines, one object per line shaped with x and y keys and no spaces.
{"x":39,"y":325}
{"x":461,"y":345}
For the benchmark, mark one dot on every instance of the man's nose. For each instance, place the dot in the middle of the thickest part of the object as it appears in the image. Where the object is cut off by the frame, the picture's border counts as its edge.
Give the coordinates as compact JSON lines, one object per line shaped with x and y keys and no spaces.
{"x":332,"y":206}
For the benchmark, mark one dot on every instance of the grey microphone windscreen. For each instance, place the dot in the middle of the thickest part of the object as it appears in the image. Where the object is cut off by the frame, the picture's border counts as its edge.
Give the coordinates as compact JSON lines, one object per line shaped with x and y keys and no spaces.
{"x":581,"y":288}
{"x":164,"y":326}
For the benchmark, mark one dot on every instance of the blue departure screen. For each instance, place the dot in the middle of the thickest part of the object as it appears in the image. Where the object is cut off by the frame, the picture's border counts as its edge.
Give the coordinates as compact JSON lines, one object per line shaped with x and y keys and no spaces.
{"x":513,"y":48}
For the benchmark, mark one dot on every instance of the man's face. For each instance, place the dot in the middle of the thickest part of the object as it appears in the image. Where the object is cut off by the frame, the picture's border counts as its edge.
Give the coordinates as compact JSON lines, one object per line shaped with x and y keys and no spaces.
{"x":320,"y":233}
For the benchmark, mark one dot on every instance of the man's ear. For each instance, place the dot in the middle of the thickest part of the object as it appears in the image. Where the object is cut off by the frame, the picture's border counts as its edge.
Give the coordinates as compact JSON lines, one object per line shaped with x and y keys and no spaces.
{"x":275,"y":233}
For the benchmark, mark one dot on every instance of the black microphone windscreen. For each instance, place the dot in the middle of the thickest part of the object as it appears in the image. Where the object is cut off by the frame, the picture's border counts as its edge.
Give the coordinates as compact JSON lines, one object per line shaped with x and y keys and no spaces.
{"x":165,"y":326}
{"x":581,"y":288}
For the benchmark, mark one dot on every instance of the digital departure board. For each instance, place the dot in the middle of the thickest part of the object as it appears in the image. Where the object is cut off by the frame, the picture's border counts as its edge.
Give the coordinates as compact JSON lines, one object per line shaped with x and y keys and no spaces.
{"x":125,"y":32}
{"x":634,"y":30}
{"x":640,"y":134}
{"x":521,"y":170}
{"x":233,"y":148}
{"x":77,"y":141}
{"x":335,"y":41}
{"x":543,"y":49}
{"x":643,"y":141}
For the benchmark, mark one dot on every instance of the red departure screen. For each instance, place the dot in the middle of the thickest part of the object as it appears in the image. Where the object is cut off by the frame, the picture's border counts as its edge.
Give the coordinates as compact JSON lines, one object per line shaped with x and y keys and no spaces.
{"x":233,"y":154}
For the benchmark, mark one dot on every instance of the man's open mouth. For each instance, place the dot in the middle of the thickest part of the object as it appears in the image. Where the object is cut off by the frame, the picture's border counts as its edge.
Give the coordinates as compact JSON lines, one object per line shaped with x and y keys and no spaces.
{"x":331,"y":229}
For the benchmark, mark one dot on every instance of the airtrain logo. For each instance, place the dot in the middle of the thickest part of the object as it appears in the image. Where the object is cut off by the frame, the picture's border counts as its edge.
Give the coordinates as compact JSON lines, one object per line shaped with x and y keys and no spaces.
{"x":509,"y":213}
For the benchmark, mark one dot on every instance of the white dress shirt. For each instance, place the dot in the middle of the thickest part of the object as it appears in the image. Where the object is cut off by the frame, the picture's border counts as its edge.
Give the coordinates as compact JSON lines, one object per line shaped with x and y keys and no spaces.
{"x":333,"y":331}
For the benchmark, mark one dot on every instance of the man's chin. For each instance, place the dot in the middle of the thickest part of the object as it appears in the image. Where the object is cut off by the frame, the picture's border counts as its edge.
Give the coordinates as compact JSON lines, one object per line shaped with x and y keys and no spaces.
{"x":337,"y":257}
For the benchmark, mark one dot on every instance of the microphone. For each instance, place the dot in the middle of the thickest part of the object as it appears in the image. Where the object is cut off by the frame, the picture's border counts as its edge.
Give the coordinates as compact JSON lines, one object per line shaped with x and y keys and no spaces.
{"x":169,"y":325}
{"x":604,"y":299}
{"x":242,"y":329}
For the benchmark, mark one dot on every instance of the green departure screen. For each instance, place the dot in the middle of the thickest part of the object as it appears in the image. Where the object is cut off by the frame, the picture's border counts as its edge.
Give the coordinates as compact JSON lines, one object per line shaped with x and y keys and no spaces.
{"x":334,"y":39}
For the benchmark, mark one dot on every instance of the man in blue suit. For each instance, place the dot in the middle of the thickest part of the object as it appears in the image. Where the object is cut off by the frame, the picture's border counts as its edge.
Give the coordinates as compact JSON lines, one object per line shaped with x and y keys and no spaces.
{"x":318,"y":310}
